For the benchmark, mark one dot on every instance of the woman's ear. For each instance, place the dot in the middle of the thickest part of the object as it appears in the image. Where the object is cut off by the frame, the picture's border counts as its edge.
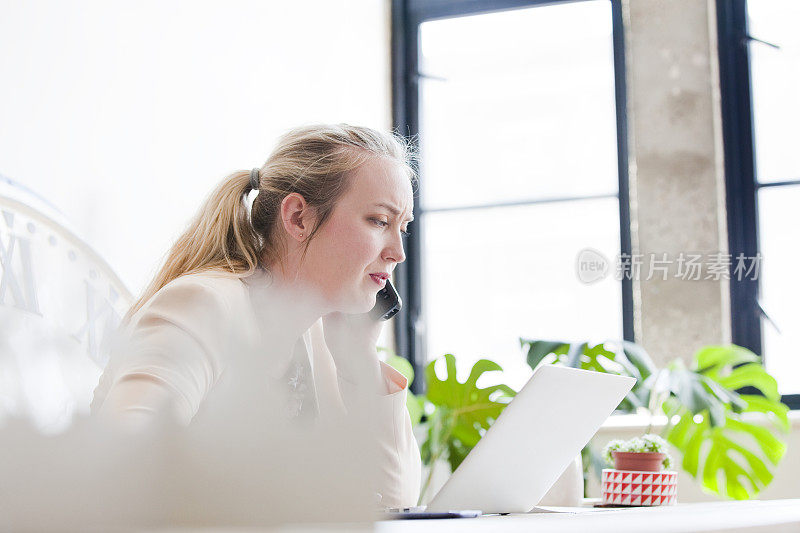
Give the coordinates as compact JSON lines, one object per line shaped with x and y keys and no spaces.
{"x":297,"y":215}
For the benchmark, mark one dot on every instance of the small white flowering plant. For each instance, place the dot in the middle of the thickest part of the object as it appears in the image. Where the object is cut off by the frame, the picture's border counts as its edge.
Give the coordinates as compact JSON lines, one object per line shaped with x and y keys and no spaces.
{"x":645,"y":443}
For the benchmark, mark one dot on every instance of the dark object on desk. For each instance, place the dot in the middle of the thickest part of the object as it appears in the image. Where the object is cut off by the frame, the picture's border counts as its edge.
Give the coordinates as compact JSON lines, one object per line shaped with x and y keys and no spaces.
{"x":615,"y":506}
{"x":387,"y":303}
{"x":429,"y":515}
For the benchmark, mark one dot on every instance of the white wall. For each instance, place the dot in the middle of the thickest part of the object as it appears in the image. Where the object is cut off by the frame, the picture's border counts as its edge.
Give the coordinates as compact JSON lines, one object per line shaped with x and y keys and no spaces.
{"x":126,"y":114}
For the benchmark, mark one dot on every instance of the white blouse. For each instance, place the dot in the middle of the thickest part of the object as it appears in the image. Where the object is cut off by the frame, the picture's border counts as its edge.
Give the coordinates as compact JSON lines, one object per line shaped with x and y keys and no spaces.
{"x":185,"y":343}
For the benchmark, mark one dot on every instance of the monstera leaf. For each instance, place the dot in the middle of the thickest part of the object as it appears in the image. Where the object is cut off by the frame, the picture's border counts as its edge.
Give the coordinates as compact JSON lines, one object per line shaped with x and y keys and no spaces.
{"x":471,"y":409}
{"x":460,"y":413}
{"x":611,"y":357}
{"x":728,"y":453}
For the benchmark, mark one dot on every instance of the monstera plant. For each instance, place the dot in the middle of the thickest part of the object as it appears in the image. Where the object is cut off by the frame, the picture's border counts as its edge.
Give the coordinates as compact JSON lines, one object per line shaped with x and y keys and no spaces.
{"x":456,"y":414}
{"x":708,"y":407}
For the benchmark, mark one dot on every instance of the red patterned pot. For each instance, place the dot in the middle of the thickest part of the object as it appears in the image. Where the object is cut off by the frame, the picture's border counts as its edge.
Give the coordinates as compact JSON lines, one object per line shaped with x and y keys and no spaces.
{"x":638,"y":461}
{"x":632,"y":488}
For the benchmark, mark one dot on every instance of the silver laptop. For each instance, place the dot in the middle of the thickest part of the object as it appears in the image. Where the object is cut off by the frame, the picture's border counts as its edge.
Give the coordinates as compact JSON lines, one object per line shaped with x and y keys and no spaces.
{"x":532,"y":441}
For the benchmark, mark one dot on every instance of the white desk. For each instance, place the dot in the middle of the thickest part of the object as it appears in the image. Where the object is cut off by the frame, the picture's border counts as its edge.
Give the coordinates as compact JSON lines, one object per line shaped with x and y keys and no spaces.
{"x":768,"y":516}
{"x":771,"y":516}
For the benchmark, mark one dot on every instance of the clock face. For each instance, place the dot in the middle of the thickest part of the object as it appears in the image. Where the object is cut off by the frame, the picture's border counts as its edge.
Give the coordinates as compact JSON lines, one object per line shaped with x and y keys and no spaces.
{"x":59,"y":306}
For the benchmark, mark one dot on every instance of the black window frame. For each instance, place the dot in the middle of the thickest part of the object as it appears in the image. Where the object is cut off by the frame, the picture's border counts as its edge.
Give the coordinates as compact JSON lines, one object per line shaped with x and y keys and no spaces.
{"x":741,"y":183}
{"x":407,"y":15}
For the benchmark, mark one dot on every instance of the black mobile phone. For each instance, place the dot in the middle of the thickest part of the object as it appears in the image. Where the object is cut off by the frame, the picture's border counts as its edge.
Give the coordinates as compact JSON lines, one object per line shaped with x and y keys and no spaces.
{"x":428,"y":515}
{"x":387,"y":303}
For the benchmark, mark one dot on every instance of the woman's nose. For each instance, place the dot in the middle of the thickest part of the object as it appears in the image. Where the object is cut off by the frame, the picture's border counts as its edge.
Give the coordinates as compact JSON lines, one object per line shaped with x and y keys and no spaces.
{"x":394,"y":251}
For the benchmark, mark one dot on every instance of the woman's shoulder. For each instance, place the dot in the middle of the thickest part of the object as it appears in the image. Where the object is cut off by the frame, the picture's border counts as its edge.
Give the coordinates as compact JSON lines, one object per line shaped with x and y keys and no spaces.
{"x":197,"y":294}
{"x":184,"y":334}
{"x":216,"y":280}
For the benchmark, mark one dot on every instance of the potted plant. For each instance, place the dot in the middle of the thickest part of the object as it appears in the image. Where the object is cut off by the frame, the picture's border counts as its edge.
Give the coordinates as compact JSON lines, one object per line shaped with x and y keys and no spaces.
{"x":640,"y":475}
{"x":644,"y":454}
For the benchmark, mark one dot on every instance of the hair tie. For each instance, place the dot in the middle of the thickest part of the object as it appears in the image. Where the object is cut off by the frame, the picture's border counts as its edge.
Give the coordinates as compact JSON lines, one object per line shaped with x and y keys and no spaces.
{"x":254,"y":181}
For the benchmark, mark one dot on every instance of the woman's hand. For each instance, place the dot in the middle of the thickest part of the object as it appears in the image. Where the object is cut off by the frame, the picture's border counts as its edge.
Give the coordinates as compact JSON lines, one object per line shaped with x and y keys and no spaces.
{"x":352,"y":341}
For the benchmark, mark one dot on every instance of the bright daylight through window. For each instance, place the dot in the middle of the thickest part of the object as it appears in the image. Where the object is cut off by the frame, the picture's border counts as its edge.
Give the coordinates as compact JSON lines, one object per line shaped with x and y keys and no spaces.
{"x":529,"y":96}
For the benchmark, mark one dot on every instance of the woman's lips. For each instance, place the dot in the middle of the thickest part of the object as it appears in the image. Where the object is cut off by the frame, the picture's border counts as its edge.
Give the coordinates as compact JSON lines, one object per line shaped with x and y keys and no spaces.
{"x":377,"y":279}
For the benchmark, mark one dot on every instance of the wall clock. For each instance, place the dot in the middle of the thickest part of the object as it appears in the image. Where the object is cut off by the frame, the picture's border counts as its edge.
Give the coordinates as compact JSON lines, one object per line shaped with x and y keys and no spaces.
{"x":60,"y":303}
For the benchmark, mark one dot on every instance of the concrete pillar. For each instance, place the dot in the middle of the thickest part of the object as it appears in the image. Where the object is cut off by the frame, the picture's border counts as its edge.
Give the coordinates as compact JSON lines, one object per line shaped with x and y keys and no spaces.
{"x":676,"y":172}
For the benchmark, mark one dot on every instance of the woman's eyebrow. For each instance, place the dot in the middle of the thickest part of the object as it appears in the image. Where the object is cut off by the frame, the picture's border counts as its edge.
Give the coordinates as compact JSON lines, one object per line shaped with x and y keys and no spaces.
{"x":393,"y":210}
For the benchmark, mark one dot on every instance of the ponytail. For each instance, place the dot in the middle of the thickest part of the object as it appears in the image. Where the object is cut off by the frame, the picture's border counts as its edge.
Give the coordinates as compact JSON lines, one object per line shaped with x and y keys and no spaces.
{"x":220,"y":237}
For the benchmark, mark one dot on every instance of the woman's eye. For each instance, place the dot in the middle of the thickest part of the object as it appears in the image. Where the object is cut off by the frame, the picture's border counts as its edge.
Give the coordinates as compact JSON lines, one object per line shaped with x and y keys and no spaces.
{"x":383,"y":223}
{"x":379,"y":222}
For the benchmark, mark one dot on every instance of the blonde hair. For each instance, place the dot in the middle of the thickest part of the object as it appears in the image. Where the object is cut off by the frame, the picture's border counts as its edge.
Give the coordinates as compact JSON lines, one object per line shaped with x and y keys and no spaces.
{"x":315,"y":161}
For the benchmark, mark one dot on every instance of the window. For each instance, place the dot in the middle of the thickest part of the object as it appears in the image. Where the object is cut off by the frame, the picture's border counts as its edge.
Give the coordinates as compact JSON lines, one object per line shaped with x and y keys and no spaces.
{"x":760,"y":75}
{"x":519,"y":139}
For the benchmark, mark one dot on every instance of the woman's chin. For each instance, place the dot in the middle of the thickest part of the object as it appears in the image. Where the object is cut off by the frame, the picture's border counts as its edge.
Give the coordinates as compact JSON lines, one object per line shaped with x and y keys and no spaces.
{"x":352,"y":307}
{"x":364,"y":307}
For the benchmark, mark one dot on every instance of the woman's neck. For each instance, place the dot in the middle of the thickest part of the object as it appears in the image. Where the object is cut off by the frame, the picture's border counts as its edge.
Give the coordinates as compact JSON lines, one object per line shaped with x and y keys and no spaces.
{"x":285,"y":310}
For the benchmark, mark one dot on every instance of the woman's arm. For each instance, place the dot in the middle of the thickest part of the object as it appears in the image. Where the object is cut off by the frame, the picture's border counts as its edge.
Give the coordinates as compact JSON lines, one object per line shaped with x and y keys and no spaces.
{"x":136,"y":399}
{"x":170,"y":358}
{"x":385,"y":397}
{"x":400,"y":462}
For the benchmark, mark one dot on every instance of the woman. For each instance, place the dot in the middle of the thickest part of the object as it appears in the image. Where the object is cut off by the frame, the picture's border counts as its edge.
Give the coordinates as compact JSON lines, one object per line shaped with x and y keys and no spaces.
{"x":291,"y":280}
